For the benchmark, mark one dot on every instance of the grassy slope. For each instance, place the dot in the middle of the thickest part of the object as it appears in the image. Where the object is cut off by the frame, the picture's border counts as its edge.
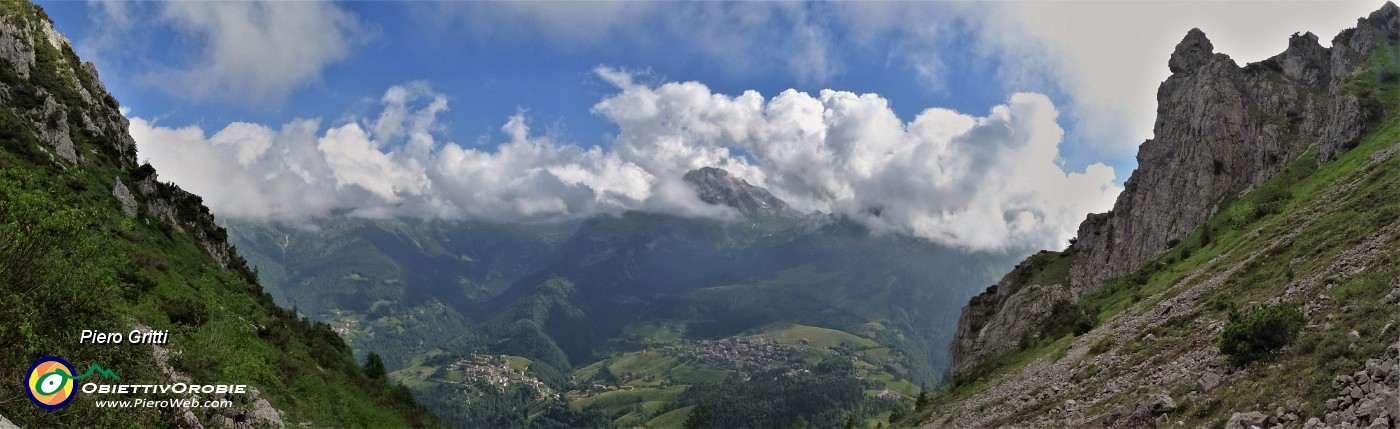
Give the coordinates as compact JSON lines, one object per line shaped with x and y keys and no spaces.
{"x":101,"y":270}
{"x":1289,"y":232}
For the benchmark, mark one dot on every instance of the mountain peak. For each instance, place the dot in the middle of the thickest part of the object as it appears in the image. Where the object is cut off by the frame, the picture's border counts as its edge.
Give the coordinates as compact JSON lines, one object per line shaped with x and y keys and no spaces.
{"x":1193,"y":52}
{"x":717,"y":186}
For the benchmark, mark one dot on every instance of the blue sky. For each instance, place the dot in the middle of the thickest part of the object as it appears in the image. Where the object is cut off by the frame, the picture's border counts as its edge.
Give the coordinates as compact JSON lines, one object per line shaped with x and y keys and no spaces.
{"x":521,"y":88}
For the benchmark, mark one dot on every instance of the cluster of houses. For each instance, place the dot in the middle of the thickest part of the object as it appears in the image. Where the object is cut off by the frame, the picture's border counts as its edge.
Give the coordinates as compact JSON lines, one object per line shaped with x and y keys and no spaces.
{"x":736,"y":352}
{"x":484,"y":370}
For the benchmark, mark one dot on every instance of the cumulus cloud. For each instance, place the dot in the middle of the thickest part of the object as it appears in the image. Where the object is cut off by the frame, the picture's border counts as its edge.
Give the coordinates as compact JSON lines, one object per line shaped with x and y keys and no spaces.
{"x":980,"y":182}
{"x":977,"y":182}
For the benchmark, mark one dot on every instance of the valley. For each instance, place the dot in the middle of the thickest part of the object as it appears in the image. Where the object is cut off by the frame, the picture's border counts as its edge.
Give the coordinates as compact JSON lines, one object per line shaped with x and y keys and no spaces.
{"x":632,"y":318}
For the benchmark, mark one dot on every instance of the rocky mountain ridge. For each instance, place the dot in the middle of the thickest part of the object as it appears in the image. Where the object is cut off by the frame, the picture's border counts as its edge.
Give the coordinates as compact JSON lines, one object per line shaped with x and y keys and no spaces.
{"x":1221,"y":130}
{"x":717,"y":186}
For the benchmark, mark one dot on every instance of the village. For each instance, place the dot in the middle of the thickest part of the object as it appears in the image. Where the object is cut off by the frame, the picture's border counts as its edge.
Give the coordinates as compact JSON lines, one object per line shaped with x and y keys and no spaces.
{"x":737,"y":352}
{"x":495,"y":371}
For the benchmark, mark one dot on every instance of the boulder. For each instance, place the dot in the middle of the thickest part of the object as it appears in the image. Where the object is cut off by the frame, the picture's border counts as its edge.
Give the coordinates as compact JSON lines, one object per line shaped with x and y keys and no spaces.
{"x":1208,"y":382}
{"x":1156,"y":404}
{"x":1248,"y":420}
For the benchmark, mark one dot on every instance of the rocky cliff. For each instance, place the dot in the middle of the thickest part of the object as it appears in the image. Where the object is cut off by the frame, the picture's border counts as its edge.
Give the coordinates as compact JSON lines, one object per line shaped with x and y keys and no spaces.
{"x":1221,"y":130}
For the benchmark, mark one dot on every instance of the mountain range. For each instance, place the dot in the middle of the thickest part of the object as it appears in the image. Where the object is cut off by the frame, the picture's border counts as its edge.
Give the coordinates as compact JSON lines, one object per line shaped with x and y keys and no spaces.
{"x":569,"y":297}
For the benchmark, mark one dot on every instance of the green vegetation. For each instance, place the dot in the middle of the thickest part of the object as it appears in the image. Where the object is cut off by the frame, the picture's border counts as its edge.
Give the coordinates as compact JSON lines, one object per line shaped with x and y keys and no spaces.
{"x":1066,"y":318}
{"x":1261,"y":332}
{"x":829,"y":394}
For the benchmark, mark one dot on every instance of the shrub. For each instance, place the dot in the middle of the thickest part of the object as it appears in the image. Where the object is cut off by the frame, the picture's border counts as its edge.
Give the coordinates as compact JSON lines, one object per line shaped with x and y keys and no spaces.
{"x":1067,"y":317}
{"x":1261,"y":332}
{"x":185,"y":311}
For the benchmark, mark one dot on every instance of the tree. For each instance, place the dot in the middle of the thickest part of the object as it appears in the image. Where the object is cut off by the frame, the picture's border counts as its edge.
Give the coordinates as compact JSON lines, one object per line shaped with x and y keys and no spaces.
{"x":374,"y":366}
{"x":699,"y":418}
{"x":850,"y":423}
{"x":922,"y":402}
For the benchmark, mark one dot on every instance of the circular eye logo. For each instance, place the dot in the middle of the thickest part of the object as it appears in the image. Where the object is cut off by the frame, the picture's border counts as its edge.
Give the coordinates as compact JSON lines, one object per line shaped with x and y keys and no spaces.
{"x":50,"y":383}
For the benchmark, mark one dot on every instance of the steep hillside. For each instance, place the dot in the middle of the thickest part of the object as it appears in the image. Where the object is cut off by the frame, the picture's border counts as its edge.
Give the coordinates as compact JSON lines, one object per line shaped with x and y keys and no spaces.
{"x":89,"y":240}
{"x":1266,"y":205}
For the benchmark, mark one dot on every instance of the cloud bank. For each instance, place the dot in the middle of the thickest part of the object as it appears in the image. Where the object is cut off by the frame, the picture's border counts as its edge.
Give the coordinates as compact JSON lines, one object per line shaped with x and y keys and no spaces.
{"x":977,"y":182}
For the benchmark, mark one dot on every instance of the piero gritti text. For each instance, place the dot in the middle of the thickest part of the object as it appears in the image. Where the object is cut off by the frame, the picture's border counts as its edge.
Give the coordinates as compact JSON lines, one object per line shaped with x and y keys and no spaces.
{"x":136,"y":336}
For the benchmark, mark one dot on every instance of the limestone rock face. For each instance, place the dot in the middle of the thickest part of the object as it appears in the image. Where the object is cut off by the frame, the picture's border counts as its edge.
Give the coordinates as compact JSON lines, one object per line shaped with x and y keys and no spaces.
{"x":124,"y":197}
{"x":1221,"y":131}
{"x":14,"y":47}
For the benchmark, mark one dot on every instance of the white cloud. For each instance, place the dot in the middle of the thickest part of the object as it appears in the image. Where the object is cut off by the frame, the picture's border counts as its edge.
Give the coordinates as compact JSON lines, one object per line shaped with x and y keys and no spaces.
{"x":253,"y":51}
{"x":979,"y":182}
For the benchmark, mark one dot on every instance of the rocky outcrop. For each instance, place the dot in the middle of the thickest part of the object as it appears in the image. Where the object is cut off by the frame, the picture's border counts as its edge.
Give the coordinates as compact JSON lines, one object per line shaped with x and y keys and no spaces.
{"x":716,"y":186}
{"x":15,"y":48}
{"x":996,"y":321}
{"x":123,"y":196}
{"x":1221,"y":130}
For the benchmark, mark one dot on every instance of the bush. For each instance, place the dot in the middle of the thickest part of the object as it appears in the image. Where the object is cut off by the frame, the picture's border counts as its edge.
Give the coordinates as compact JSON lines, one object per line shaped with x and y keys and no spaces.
{"x":185,"y":311}
{"x":1263,"y":331}
{"x":1066,"y":318}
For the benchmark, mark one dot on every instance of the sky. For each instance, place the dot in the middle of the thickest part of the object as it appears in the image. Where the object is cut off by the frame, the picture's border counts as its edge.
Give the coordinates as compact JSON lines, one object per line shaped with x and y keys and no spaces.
{"x":983,"y":125}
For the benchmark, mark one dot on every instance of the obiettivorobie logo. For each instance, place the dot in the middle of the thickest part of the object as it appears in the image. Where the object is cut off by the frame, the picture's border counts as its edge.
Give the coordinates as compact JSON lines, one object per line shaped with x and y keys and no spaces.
{"x":51,"y":385}
{"x":50,"y":382}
